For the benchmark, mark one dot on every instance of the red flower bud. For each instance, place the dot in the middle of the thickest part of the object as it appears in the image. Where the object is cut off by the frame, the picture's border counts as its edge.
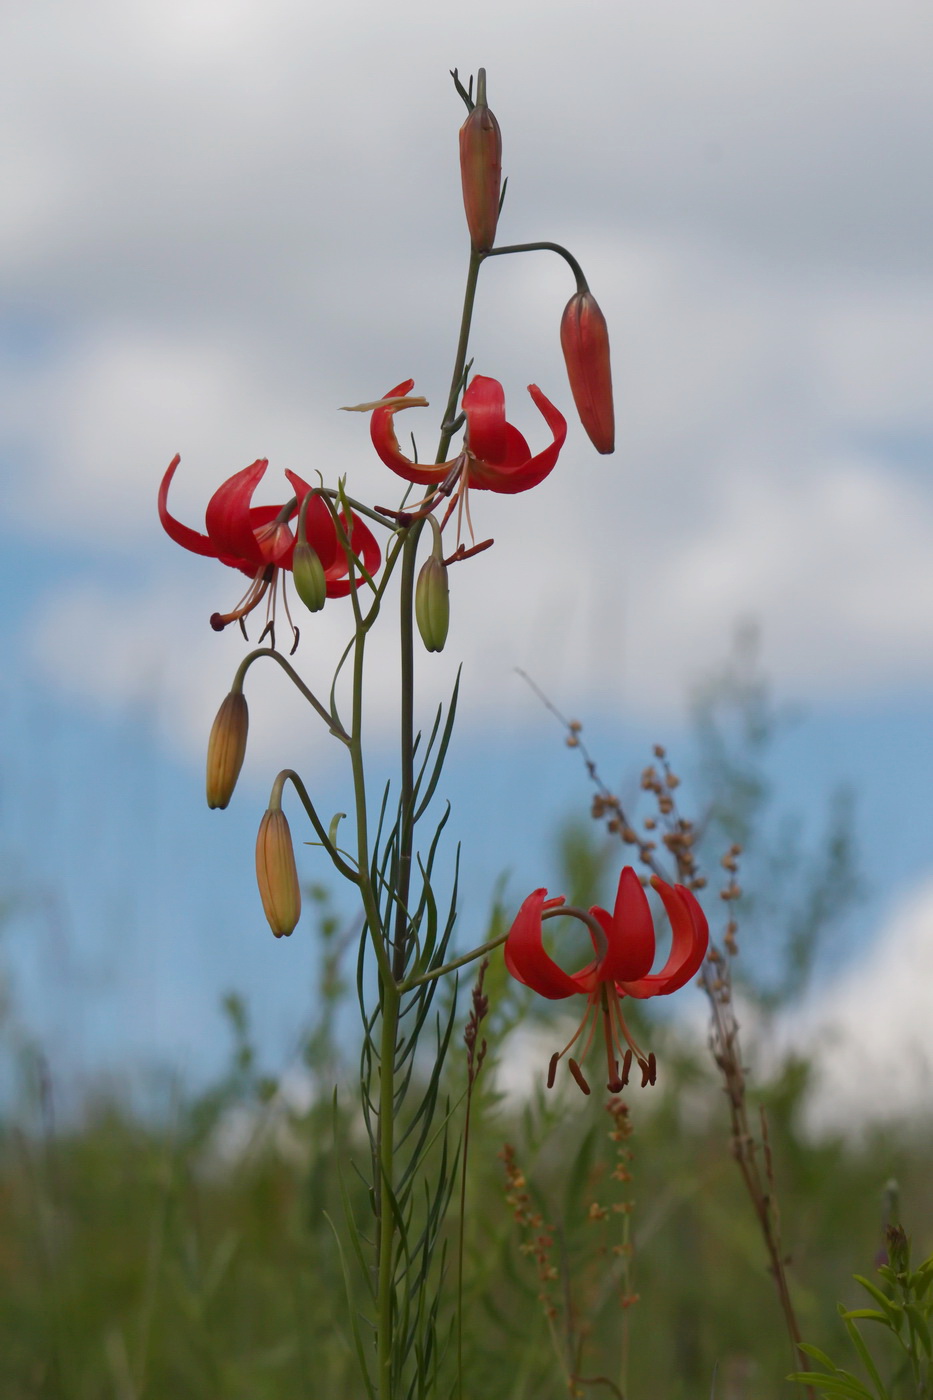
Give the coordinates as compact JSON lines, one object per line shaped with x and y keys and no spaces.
{"x":481,"y":169}
{"x":226,"y":748}
{"x":276,"y":873}
{"x":584,"y":339}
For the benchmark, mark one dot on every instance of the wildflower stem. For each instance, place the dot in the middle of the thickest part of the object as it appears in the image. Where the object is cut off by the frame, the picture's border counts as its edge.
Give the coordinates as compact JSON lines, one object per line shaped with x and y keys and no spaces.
{"x":333,"y":724}
{"x":575,"y":268}
{"x":386,"y":1250}
{"x":341,"y":865}
{"x":364,"y":878}
{"x":435,"y":973}
{"x":469,"y":297}
{"x":407,"y":755}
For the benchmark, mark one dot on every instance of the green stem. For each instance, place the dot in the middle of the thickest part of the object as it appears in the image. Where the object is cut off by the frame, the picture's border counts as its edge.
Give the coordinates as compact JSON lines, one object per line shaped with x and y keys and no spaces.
{"x":466,"y":319}
{"x":407,"y":756}
{"x":340,"y":864}
{"x":436,"y":972}
{"x":576,"y":269}
{"x":333,"y":724}
{"x":390,"y":1003}
{"x":385,"y":1295}
{"x":363,"y":873}
{"x":392,"y":972}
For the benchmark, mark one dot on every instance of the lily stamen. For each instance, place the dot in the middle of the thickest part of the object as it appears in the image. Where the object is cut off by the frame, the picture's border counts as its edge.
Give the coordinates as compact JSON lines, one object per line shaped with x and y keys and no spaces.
{"x":250,"y":600}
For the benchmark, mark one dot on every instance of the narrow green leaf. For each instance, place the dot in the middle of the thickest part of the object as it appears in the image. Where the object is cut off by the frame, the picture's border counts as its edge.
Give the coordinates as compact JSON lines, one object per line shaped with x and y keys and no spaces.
{"x":357,"y":1339}
{"x":920,"y":1326}
{"x":859,"y":1344}
{"x":887,"y":1305}
{"x":818,"y":1355}
{"x":442,"y":751}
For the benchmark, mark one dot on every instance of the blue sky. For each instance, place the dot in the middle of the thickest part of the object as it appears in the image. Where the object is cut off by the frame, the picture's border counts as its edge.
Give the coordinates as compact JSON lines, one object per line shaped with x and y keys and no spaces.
{"x":227,"y":220}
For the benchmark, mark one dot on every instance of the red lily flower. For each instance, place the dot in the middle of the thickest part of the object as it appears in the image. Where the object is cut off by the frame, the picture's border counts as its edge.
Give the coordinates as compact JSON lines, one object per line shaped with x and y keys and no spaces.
{"x":495,"y":456}
{"x":624,"y":945}
{"x":257,"y":541}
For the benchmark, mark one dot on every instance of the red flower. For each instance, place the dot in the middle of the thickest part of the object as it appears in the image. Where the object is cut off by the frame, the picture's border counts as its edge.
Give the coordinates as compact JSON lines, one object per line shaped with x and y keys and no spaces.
{"x":495,"y":456}
{"x":257,"y":541}
{"x":624,"y":945}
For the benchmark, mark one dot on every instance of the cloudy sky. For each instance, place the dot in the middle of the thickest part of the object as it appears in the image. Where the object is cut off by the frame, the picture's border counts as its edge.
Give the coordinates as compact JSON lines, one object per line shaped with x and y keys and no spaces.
{"x":224,"y":220}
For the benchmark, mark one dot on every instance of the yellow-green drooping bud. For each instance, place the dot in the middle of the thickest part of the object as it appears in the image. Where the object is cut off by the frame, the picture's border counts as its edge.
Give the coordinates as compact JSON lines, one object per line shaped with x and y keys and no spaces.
{"x":308,"y":573}
{"x":481,"y":169}
{"x":432,"y":597}
{"x":226,"y":748}
{"x":276,"y":873}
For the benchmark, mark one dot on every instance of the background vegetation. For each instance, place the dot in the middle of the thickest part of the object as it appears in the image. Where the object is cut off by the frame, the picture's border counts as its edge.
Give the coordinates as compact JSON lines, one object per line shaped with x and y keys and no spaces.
{"x":195,"y":1254}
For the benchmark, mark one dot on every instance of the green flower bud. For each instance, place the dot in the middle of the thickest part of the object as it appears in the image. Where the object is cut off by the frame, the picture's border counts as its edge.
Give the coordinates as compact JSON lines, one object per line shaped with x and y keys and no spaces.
{"x":226,"y":748}
{"x":432,"y":603}
{"x":308,"y":573}
{"x":276,"y":873}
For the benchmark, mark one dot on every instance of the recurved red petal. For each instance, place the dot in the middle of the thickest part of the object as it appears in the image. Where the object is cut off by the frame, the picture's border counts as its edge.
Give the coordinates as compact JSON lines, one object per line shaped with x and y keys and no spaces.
{"x":524,"y":952}
{"x":484,"y":406}
{"x":181,"y":534}
{"x":688,"y":948}
{"x":319,"y":526}
{"x":521,"y":476}
{"x":630,"y":932}
{"x":230,"y":523}
{"x":382,"y":432}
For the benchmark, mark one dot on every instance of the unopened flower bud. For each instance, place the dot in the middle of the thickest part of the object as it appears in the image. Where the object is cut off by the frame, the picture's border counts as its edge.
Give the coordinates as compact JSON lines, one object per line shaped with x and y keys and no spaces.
{"x":276,"y":873}
{"x":584,"y":339}
{"x":432,"y":604}
{"x":308,"y":573}
{"x":226,"y":748}
{"x":432,"y":596}
{"x":481,"y":169}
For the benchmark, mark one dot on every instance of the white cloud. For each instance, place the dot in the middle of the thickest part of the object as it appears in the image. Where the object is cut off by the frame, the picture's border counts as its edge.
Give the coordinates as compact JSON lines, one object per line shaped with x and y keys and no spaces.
{"x":870,"y":1030}
{"x":239,"y":217}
